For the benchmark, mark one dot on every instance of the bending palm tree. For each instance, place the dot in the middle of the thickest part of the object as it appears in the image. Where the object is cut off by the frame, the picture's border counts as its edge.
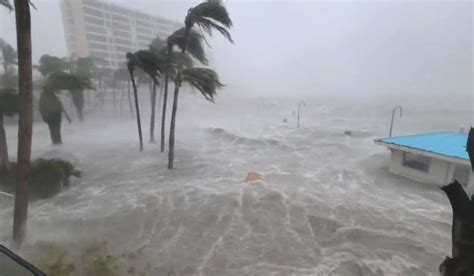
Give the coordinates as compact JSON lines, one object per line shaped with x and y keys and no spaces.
{"x":51,"y":108}
{"x":148,"y":62}
{"x":171,"y":59}
{"x":205,"y":81}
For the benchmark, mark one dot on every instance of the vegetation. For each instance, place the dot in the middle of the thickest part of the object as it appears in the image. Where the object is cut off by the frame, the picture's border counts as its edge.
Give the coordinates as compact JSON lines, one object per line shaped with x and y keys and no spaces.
{"x":48,"y":177}
{"x":208,"y":16}
{"x":80,"y":68}
{"x":51,"y":108}
{"x":159,"y":65}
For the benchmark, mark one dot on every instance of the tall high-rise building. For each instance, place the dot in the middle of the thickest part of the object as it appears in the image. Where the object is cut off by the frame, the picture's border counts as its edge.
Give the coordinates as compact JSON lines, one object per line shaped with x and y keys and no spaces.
{"x":107,"y":31}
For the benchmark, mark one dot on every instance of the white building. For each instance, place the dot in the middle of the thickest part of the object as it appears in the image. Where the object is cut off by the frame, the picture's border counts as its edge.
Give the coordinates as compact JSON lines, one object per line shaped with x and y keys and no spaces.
{"x":107,"y":31}
{"x":434,"y":158}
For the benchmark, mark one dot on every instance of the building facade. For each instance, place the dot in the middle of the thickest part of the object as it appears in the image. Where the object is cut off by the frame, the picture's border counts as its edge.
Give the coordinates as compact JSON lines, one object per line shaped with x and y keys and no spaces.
{"x":433,"y":158}
{"x":107,"y":31}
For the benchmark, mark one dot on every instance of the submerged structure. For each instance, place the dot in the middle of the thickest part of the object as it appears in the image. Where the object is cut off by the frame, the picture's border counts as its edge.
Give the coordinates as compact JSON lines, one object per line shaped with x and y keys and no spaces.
{"x":436,"y":158}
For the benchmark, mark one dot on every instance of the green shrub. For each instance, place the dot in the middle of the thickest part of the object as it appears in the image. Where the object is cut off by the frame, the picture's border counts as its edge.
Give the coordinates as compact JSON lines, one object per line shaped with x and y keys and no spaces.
{"x":48,"y":177}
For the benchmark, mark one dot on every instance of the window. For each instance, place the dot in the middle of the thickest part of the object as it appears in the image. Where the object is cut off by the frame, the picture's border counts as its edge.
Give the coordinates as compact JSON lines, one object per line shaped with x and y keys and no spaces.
{"x":95,"y":37}
{"x":416,"y":162}
{"x":94,"y":20}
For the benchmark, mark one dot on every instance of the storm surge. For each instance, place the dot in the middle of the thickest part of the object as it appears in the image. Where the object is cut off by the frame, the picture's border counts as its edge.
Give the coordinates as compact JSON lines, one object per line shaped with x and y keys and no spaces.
{"x":329,"y":206}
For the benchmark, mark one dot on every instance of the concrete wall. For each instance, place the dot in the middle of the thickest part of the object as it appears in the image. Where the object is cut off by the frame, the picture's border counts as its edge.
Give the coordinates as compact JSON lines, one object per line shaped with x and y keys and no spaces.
{"x":438,"y":173}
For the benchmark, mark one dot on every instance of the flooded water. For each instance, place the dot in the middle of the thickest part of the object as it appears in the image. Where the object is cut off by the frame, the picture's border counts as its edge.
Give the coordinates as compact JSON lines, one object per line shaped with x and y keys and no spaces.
{"x":329,"y":208}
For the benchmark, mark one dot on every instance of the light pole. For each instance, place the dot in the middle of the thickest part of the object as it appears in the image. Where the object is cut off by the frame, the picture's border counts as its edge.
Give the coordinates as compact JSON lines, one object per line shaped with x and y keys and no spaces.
{"x":393,"y":115}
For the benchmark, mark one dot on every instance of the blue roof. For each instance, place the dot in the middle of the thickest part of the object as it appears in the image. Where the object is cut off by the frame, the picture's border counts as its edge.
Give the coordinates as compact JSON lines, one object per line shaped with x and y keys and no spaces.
{"x":450,"y":144}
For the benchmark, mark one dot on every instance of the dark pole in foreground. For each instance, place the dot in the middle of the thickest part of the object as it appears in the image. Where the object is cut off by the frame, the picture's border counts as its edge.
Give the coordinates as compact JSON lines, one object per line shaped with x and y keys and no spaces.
{"x":25,"y":123}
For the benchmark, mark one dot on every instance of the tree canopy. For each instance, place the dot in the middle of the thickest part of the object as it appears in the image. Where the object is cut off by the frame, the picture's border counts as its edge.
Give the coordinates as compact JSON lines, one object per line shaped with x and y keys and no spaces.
{"x":208,"y":16}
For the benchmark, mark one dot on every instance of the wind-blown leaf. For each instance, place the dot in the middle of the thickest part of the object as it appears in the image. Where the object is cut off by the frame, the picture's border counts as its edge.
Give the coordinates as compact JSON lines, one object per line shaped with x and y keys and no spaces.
{"x":65,"y":81}
{"x":204,"y":80}
{"x":50,"y":64}
{"x":193,"y":44}
{"x":207,"y":25}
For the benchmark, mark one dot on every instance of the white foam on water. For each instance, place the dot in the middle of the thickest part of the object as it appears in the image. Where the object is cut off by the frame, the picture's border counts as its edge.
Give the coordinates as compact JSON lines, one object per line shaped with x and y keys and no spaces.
{"x":329,"y":207}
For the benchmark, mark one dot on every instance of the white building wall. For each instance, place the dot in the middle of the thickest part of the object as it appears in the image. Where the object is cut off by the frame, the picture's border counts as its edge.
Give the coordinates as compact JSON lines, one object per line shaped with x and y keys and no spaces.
{"x":438,"y":173}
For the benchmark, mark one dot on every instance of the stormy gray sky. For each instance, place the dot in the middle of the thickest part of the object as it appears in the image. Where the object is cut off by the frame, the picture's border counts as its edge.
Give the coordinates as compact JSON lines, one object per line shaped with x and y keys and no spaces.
{"x":297,"y":47}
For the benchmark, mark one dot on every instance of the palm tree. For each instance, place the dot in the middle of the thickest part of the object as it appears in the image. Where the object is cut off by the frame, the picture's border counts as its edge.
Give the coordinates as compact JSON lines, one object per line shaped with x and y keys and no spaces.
{"x":132,"y":62}
{"x":208,"y":16}
{"x":170,"y":59}
{"x":8,"y":107}
{"x":149,"y":63}
{"x":51,"y":108}
{"x":25,"y":123}
{"x":205,"y":81}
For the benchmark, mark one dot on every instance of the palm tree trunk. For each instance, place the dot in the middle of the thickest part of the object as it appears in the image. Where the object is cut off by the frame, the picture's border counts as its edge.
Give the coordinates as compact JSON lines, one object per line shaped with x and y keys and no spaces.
{"x":25,"y":123}
{"x":139,"y":124}
{"x":54,"y":125}
{"x":163,"y":114}
{"x":4,"y":162}
{"x":130,"y":99}
{"x":152,"y":120}
{"x":173,"y":126}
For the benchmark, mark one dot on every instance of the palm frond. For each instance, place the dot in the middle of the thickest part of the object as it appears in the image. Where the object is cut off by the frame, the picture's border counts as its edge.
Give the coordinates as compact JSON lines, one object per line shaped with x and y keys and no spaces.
{"x":9,"y":103}
{"x":182,"y":59}
{"x":84,"y":66}
{"x":132,"y":61}
{"x":150,"y":63}
{"x":208,"y":25}
{"x":205,"y":80}
{"x":6,"y":4}
{"x":193,"y":44}
{"x":60,"y":80}
{"x":50,"y":64}
{"x":10,"y":56}
{"x":214,"y":10}
{"x":157,"y":44}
